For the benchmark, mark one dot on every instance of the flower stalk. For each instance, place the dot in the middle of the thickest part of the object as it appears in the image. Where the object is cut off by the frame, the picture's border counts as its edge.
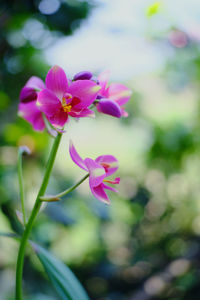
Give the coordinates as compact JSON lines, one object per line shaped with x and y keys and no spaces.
{"x":36,"y":208}
{"x":21,"y":151}
{"x":21,"y":185}
{"x":67,"y":191}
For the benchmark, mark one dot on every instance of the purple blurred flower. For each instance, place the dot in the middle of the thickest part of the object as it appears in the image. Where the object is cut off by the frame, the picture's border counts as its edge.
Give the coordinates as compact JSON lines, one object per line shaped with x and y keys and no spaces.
{"x":99,"y":169}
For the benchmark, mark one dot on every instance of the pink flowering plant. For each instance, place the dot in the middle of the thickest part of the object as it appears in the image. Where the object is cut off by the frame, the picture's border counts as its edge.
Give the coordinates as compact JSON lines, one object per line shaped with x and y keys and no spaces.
{"x":49,"y":106}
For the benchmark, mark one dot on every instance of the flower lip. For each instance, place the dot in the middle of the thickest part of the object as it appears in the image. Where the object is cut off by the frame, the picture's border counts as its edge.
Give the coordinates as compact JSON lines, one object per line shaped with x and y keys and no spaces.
{"x":115,"y":181}
{"x":83,"y":75}
{"x":67,"y":97}
{"x":99,"y":169}
{"x":105,"y":165}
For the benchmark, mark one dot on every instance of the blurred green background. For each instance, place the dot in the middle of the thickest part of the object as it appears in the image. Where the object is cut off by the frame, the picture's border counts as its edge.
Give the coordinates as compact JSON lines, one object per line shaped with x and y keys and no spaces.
{"x":146,"y":244}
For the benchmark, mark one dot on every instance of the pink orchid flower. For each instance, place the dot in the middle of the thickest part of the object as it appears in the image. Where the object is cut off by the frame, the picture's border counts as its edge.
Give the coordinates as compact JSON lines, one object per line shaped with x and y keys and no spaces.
{"x":63,"y":98}
{"x":98,"y":169}
{"x":27,"y":107}
{"x":113,"y":97}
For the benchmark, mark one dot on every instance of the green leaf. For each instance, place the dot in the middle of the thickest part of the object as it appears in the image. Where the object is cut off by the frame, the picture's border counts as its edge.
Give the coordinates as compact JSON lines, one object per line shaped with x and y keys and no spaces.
{"x":10,"y":235}
{"x":64,"y":281}
{"x":153,"y":9}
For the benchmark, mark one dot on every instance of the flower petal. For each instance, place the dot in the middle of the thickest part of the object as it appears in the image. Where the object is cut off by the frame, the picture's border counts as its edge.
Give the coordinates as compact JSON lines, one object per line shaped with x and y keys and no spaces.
{"x":109,"y":162}
{"x":97,"y":172}
{"x":86,"y":112}
{"x":109,"y":107}
{"x":99,"y":193}
{"x":85,"y":90}
{"x":119,"y":93}
{"x":58,"y":119}
{"x":76,"y":157}
{"x":56,"y":81}
{"x":103,"y":81}
{"x":31,"y":113}
{"x":35,"y":83}
{"x":48,"y":103}
{"x":110,"y":188}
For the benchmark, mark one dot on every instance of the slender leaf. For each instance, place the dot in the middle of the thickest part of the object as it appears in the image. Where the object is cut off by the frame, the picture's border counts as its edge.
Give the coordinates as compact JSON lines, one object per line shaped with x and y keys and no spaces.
{"x":64,"y":281}
{"x":10,"y":235}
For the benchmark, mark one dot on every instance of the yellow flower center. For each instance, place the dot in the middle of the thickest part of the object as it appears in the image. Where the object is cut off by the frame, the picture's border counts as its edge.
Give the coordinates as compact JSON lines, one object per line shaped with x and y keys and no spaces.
{"x":66,"y":107}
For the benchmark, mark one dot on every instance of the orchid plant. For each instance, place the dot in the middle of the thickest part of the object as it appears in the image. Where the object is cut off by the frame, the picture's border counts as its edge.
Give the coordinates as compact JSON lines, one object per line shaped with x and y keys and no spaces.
{"x":49,"y":106}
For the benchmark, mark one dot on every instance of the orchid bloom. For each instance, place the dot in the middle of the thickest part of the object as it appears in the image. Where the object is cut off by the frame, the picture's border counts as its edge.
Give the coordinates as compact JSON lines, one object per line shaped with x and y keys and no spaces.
{"x":98,"y":169}
{"x":27,"y":107}
{"x":63,"y":98}
{"x":113,"y":97}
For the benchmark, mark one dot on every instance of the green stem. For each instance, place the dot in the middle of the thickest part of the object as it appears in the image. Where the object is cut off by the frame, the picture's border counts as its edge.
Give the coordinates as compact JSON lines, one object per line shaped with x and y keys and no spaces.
{"x":36,"y":208}
{"x":56,"y":197}
{"x":21,"y":184}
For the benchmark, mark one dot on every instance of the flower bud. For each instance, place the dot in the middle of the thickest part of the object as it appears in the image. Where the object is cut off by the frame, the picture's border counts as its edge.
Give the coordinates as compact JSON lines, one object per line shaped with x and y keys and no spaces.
{"x":109,"y":107}
{"x":24,"y":150}
{"x":84,"y":75}
{"x":28,"y":94}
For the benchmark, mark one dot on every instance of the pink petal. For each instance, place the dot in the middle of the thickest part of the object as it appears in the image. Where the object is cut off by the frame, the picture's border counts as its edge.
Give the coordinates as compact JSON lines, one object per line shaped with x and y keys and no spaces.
{"x":103,"y":81}
{"x":86,"y":112}
{"x":85,"y":90}
{"x":99,"y":193}
{"x":105,"y":186}
{"x":35,"y":83}
{"x":124,"y":113}
{"x":109,"y":162}
{"x":56,"y":81}
{"x":58,"y":119}
{"x":31,"y":113}
{"x":109,"y":107}
{"x":97,"y":172}
{"x":76,"y":157}
{"x":119,"y":93}
{"x":48,"y":103}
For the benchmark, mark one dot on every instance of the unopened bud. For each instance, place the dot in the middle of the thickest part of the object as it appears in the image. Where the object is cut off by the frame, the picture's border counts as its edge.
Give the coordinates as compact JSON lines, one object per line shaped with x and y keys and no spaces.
{"x":84,"y":75}
{"x":109,"y":107}
{"x":28,"y":94}
{"x":24,"y":150}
